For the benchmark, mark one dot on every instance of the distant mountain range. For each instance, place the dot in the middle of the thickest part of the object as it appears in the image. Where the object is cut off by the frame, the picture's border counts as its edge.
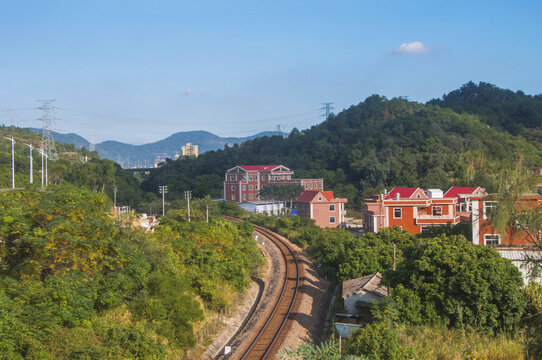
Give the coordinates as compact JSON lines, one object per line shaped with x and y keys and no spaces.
{"x":128,"y":155}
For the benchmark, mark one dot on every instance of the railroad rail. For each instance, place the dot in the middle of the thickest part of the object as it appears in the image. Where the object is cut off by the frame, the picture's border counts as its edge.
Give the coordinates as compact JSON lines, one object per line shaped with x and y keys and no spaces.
{"x":262,"y":344}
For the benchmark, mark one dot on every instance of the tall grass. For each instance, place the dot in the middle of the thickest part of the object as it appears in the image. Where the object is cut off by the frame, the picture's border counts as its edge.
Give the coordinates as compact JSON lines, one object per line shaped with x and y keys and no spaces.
{"x":440,"y":343}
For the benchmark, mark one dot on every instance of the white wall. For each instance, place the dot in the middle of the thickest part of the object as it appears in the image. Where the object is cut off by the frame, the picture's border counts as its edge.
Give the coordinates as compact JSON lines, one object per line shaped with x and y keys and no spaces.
{"x":350,"y":302}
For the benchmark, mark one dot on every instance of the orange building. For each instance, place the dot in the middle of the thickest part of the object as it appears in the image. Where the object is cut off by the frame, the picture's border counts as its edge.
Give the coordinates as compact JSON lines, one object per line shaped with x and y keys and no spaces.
{"x":483,"y":231}
{"x":322,"y":206}
{"x":416,"y":210}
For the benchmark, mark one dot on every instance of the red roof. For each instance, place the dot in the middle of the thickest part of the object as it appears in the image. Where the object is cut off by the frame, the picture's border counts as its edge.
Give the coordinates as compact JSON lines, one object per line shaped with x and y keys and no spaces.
{"x":258,"y":167}
{"x":455,"y":191}
{"x":404,"y":192}
{"x":328,"y":195}
{"x":307,"y":195}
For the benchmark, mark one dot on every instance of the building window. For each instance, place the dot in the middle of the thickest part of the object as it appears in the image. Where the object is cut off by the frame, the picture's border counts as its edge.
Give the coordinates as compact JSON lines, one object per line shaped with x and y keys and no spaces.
{"x":244,"y":196}
{"x":250,"y":196}
{"x":263,"y":177}
{"x":397,"y":213}
{"x":488,"y":207}
{"x":418,"y":196}
{"x":233,"y":196}
{"x":332,"y":219}
{"x":250,"y":178}
{"x":250,"y":187}
{"x":306,"y":186}
{"x":244,"y":187}
{"x":320,"y":186}
{"x":233,"y":187}
{"x":232,"y":178}
{"x":311,"y":186}
{"x":257,"y":187}
{"x":332,"y":207}
{"x":437,"y":210}
{"x":256,"y":178}
{"x":492,"y":239}
{"x":319,"y":198}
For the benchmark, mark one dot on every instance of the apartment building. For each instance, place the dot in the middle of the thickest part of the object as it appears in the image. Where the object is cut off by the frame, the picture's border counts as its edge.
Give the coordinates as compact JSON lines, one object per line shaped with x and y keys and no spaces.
{"x":243,"y":183}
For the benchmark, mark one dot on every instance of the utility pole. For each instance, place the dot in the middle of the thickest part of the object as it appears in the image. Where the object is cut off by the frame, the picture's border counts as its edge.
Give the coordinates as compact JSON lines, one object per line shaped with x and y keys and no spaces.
{"x":163,"y":190}
{"x":46,"y":177}
{"x":42,"y":173}
{"x":12,"y":160}
{"x":328,"y":106}
{"x":31,"y":178}
{"x":188,"y":195}
{"x":115,"y":200}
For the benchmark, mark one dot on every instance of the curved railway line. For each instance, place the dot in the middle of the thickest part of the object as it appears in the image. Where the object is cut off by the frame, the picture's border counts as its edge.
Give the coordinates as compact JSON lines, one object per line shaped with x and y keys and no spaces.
{"x":266,"y":339}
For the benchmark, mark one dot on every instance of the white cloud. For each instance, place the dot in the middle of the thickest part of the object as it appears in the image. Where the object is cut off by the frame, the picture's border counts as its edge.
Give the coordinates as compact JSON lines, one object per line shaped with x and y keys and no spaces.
{"x":414,"y":47}
{"x":189,"y":91}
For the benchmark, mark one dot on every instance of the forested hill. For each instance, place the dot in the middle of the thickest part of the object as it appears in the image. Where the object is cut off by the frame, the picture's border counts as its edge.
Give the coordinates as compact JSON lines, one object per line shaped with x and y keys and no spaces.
{"x":77,"y":167}
{"x":514,"y":112}
{"x":378,"y":143}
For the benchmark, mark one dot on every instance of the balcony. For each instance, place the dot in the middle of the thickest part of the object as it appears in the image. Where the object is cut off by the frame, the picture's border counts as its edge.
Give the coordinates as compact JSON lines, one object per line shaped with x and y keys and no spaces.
{"x":436,"y":219}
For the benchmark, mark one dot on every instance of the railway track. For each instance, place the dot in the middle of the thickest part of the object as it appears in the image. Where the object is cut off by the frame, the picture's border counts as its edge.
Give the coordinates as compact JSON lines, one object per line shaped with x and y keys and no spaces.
{"x":265,"y":340}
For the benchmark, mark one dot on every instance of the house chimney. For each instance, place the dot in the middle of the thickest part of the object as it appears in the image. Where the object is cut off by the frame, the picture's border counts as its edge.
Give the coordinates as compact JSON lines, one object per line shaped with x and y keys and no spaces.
{"x":397,"y":196}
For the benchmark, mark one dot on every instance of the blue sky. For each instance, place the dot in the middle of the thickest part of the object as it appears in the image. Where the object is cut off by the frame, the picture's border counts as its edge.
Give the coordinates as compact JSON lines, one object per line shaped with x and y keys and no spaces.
{"x":138,"y":71}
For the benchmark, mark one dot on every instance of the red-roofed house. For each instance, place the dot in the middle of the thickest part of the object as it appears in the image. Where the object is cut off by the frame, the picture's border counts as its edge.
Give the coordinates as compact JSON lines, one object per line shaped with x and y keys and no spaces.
{"x":243,"y":183}
{"x":411,"y":209}
{"x":322,"y":206}
{"x":464,"y":195}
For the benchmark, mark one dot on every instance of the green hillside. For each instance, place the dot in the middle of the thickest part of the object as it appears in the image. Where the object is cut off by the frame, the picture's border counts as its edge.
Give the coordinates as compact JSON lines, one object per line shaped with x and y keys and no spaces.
{"x":77,"y":167}
{"x":378,"y":143}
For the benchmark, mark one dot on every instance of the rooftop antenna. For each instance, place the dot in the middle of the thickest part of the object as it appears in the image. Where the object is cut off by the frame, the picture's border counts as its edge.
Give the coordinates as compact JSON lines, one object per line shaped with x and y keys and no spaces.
{"x":47,"y":119}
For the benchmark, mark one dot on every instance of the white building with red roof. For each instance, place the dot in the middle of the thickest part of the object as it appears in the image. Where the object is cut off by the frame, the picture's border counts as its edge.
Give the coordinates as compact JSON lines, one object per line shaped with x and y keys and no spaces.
{"x":323,"y":207}
{"x":243,"y":183}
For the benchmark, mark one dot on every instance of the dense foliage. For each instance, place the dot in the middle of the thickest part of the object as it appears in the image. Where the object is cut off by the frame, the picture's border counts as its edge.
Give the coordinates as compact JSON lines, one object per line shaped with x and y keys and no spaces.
{"x":515,"y":112}
{"x":74,"y":285}
{"x":441,"y":280}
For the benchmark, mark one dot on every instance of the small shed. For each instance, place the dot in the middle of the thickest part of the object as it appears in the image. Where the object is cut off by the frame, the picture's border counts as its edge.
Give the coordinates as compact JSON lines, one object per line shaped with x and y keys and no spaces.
{"x":526,"y":261}
{"x":260,"y":206}
{"x":367,"y":289}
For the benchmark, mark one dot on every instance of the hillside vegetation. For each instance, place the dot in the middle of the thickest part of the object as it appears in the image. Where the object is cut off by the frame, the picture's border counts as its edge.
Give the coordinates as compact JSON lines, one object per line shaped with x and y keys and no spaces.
{"x":76,"y":167}
{"x":73,"y":285}
{"x":380,"y":143}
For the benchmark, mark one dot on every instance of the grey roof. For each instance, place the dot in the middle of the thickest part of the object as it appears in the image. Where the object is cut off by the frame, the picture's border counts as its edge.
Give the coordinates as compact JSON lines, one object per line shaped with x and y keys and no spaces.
{"x":371,"y":283}
{"x":521,"y":255}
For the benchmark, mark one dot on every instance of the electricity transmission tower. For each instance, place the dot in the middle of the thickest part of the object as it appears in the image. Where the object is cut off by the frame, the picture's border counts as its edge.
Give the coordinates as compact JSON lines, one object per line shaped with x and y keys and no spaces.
{"x":328,"y":107}
{"x":47,"y":119}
